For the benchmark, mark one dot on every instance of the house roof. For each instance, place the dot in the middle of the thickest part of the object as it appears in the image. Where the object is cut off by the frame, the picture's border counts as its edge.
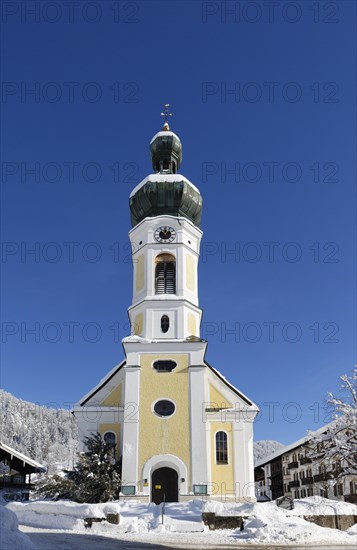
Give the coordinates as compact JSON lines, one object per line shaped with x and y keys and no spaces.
{"x":288,"y":448}
{"x":36,"y":466}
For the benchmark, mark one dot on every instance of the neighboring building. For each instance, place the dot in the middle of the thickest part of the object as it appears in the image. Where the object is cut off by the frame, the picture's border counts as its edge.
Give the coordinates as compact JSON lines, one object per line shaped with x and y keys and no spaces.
{"x":15,"y":473}
{"x":291,"y":472}
{"x":178,"y":426}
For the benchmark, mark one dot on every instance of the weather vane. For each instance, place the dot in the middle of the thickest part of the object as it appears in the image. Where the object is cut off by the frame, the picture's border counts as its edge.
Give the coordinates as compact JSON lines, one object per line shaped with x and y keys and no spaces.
{"x":166,"y":115}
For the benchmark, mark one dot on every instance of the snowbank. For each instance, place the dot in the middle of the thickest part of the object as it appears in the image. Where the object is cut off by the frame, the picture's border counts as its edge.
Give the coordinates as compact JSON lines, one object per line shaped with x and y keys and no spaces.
{"x":60,"y":515}
{"x":265,"y":523}
{"x":319,"y":506}
{"x":10,"y":537}
{"x":310,"y":506}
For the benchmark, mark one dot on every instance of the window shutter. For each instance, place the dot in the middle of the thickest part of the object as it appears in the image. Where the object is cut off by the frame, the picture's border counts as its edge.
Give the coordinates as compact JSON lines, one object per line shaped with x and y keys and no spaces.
{"x":170,"y":278}
{"x":165,"y":277}
{"x":160,"y":278}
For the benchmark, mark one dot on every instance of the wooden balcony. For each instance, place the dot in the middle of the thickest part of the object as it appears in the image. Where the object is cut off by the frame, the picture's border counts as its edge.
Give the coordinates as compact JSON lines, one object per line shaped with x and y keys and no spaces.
{"x":293,"y":464}
{"x":321,"y":477}
{"x":305,"y":460}
{"x":351,"y":498}
{"x":295,"y":483}
{"x":307,"y":480}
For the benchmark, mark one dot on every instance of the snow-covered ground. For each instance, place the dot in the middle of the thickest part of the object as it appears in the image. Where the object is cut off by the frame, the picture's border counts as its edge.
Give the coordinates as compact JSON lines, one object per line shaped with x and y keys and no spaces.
{"x":10,"y":536}
{"x":266,"y":524}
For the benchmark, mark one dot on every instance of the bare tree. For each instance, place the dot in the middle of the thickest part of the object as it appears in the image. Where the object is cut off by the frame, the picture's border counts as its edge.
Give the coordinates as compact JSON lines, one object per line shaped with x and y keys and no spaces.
{"x":337,"y":444}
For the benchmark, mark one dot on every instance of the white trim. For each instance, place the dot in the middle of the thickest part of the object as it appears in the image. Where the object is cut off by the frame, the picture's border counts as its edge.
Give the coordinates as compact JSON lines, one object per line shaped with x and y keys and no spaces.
{"x":164,"y":461}
{"x":200,"y":437}
{"x":130,"y":433}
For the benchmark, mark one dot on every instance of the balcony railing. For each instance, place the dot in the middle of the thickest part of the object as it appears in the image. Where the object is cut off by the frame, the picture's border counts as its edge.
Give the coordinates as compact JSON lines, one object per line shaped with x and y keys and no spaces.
{"x":293,"y":464}
{"x":321,"y":477}
{"x":295,"y":483}
{"x":305,"y":460}
{"x":307,"y":480}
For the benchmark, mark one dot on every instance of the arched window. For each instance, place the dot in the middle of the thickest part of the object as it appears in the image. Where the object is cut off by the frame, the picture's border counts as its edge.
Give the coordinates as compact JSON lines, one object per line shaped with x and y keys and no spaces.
{"x":165,"y":323}
{"x":221,"y":448}
{"x":110,"y":439}
{"x":165,"y":274}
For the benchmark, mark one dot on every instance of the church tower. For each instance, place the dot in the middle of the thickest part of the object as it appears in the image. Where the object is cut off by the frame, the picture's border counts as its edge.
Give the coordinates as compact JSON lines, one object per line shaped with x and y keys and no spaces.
{"x":179,"y":428}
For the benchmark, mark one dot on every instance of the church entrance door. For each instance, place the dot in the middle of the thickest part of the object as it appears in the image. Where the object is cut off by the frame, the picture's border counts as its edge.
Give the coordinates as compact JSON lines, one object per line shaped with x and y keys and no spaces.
{"x":164,"y":485}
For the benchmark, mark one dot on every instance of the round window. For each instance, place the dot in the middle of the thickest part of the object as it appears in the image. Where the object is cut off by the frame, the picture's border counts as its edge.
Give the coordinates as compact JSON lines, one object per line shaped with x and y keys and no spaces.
{"x":164,"y":407}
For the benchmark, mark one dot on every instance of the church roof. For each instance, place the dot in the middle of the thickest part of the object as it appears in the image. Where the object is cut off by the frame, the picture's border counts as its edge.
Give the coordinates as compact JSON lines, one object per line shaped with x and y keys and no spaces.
{"x":118,"y":367}
{"x":231,"y":387}
{"x":163,"y":178}
{"x":101,"y":383}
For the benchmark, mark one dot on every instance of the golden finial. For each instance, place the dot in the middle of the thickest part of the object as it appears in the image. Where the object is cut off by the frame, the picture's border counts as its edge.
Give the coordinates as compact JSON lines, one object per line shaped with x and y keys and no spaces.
{"x":166,"y":114}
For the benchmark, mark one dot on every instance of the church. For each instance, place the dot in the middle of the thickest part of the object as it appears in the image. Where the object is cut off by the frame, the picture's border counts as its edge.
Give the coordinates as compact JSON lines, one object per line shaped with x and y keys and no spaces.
{"x":180,"y":429}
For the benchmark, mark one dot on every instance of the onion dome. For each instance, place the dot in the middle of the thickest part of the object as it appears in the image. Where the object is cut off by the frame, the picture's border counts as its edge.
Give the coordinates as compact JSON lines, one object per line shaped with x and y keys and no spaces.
{"x":165,"y":192}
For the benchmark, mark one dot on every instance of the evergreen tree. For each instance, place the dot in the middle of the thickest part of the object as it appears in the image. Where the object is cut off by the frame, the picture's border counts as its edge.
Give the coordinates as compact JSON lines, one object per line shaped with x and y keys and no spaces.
{"x":95,"y":478}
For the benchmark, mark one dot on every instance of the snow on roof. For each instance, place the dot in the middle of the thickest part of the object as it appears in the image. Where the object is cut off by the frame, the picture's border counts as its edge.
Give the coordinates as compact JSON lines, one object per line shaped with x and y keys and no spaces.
{"x":22,"y":457}
{"x":162,"y":178}
{"x":100,"y":383}
{"x":136,"y":338}
{"x":164,"y":133}
{"x":288,"y":448}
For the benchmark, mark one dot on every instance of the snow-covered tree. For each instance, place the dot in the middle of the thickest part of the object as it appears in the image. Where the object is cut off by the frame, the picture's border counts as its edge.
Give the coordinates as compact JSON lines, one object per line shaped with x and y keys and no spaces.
{"x":336,"y":446}
{"x":95,"y":478}
{"x":46,"y":434}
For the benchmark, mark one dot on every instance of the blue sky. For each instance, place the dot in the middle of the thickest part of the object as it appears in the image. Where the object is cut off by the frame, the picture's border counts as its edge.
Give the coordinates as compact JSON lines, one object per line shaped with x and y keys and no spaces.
{"x":264,"y":104}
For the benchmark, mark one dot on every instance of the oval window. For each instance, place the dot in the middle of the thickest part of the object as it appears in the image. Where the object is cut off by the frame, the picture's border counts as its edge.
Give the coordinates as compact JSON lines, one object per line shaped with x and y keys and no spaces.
{"x":165,"y":323}
{"x":164,"y":407}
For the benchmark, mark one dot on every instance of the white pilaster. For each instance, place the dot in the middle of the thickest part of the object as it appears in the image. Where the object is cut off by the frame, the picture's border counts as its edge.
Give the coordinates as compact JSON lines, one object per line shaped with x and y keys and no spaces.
{"x":131,"y":426}
{"x":198,"y":433}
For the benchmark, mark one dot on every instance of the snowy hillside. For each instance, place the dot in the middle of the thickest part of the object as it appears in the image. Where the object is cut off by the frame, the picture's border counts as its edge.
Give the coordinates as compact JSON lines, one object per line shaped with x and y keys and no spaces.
{"x":47,"y":435}
{"x":265,"y":447}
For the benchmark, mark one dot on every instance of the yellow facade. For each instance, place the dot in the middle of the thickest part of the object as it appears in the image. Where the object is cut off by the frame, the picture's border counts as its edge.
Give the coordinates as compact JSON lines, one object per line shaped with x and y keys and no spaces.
{"x":114,"y":398}
{"x":190,"y":272}
{"x":138,"y":324}
{"x":191,"y":324}
{"x":140,"y":272}
{"x":222,"y":474}
{"x":169,"y":435}
{"x":218,"y":400}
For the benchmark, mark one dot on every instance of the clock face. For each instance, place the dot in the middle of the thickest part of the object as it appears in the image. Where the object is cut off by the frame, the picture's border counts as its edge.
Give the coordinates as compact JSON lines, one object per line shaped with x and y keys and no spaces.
{"x":165,"y":234}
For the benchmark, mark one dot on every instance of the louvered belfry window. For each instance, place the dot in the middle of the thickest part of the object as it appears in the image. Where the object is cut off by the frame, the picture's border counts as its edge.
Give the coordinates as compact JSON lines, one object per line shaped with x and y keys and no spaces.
{"x":165,"y":274}
{"x":221,"y":448}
